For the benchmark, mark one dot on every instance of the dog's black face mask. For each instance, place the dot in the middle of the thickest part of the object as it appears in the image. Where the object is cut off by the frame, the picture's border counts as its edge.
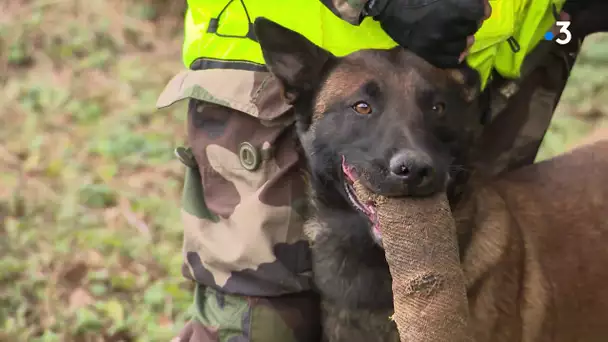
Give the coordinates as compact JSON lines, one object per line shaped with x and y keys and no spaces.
{"x":386,"y":118}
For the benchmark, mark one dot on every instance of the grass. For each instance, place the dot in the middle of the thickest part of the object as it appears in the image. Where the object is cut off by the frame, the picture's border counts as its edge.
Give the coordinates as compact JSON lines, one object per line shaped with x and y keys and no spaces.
{"x":90,"y":233}
{"x":584,"y":103}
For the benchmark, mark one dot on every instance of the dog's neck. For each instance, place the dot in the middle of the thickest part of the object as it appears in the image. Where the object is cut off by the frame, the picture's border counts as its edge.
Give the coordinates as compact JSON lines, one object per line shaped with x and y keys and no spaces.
{"x":352,"y":229}
{"x":345,"y":252}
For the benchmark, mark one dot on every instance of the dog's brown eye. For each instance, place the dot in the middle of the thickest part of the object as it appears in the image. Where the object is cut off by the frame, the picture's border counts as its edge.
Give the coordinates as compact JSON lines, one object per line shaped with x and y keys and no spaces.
{"x":362,"y":108}
{"x":438,"y":107}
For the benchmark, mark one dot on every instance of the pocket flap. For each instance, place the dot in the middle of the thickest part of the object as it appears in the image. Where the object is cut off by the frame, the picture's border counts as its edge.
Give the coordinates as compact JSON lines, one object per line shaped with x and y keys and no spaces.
{"x":252,"y":92}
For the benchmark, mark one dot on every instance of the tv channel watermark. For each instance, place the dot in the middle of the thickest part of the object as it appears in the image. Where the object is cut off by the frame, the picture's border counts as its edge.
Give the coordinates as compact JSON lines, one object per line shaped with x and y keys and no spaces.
{"x":564,"y":35}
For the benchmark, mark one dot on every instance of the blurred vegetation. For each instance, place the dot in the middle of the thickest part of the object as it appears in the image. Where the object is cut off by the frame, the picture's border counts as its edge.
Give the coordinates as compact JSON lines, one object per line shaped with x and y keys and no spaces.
{"x":90,"y":233}
{"x":583,"y":106}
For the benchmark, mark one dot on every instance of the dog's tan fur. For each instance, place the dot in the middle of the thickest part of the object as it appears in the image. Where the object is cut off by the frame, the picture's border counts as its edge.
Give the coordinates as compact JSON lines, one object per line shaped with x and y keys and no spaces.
{"x":534,"y":242}
{"x":537,"y":262}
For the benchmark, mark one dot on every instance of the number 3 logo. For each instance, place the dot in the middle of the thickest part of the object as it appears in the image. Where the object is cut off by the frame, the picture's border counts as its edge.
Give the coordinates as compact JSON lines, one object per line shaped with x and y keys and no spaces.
{"x":563,"y":28}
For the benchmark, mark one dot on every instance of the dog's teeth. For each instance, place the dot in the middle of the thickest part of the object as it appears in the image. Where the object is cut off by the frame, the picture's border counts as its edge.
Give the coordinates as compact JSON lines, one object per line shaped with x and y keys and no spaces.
{"x":353,"y":198}
{"x":371,"y":208}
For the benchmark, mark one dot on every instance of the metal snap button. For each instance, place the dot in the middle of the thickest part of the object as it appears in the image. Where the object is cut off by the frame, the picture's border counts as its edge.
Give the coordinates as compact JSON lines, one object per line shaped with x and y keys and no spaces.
{"x":186,"y":157}
{"x":249,"y":156}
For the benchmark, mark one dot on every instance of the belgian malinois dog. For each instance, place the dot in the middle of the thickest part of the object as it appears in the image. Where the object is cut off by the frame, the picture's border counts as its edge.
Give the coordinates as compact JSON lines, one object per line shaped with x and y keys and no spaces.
{"x":536,"y":256}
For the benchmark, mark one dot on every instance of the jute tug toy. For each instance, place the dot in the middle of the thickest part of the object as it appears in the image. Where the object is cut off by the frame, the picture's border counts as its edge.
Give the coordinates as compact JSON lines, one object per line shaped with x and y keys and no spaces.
{"x":420,"y":242}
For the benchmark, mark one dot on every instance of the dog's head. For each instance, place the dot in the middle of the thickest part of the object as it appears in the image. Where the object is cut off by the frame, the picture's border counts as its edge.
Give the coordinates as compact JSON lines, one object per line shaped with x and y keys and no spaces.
{"x":385,"y":117}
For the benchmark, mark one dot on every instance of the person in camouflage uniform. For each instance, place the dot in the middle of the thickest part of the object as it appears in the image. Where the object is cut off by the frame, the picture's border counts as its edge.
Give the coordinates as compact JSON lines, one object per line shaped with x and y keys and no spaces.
{"x":244,"y":200}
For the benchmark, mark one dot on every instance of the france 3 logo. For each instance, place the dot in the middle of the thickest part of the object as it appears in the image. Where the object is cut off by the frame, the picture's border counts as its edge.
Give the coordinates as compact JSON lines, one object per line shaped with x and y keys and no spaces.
{"x":564,"y":35}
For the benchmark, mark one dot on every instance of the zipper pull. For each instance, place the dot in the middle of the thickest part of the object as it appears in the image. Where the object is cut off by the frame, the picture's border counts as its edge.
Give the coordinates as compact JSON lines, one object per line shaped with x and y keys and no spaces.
{"x":513,"y":44}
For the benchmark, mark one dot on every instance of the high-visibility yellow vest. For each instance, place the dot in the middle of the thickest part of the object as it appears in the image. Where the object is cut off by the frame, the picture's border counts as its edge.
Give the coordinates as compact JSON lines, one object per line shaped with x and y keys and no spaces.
{"x":514,"y":29}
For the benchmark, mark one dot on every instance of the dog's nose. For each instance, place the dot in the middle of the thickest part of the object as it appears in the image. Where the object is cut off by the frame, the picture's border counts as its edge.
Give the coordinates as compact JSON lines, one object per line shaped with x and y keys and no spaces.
{"x":413,"y":167}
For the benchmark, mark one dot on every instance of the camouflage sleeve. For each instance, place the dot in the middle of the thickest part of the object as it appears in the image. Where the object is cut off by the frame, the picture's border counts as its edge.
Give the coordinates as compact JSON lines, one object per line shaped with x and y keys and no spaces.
{"x":351,"y":11}
{"x":243,"y":209}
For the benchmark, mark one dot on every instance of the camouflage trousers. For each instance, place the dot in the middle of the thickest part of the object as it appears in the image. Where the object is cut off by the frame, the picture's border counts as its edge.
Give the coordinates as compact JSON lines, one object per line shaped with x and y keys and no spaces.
{"x":244,"y":199}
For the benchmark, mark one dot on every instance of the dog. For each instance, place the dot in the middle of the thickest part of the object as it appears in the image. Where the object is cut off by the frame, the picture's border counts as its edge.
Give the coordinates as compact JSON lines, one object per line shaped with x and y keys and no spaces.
{"x":532,"y":241}
{"x":386,"y":117}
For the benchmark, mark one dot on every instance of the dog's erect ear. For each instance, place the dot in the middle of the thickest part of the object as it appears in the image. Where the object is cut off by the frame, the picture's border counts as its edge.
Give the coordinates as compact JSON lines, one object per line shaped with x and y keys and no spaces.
{"x":295,"y":61}
{"x":469,"y":79}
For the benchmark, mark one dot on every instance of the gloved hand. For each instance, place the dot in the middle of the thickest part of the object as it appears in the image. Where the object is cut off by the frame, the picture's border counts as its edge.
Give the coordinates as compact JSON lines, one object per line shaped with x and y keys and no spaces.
{"x":436,"y":30}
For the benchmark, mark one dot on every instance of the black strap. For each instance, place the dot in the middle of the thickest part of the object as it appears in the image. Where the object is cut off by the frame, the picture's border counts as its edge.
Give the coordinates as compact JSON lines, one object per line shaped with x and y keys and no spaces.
{"x":501,"y":89}
{"x":214,"y":24}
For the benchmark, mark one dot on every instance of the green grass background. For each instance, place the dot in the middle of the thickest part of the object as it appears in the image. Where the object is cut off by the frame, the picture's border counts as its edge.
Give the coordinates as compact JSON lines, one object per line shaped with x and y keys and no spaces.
{"x":90,"y":233}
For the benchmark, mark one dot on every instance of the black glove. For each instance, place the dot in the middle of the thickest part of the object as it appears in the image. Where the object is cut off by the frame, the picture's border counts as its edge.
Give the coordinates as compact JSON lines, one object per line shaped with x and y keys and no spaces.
{"x":435,"y":30}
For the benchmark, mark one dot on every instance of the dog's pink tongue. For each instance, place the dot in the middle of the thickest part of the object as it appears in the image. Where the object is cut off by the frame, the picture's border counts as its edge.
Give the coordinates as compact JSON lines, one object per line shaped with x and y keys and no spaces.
{"x":419,"y":239}
{"x":348,"y":170}
{"x":371,"y":206}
